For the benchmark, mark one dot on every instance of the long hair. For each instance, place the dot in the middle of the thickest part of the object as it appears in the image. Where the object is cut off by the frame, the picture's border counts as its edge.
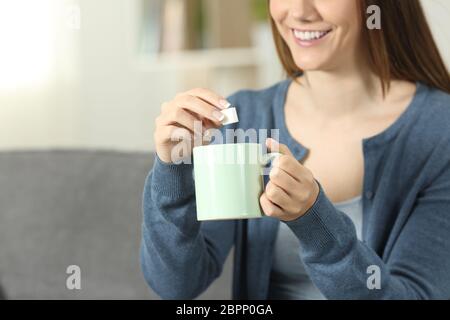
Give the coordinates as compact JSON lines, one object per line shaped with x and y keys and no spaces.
{"x":403,"y":49}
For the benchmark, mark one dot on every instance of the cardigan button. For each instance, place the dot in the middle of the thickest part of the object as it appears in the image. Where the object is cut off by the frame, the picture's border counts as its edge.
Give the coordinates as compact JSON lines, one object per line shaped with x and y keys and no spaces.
{"x":369,"y":195}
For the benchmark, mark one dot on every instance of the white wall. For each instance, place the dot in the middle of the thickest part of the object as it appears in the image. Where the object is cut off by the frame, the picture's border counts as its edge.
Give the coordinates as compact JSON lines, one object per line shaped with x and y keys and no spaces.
{"x":438,"y":14}
{"x":105,"y":103}
{"x":36,"y":107}
{"x":101,"y":95}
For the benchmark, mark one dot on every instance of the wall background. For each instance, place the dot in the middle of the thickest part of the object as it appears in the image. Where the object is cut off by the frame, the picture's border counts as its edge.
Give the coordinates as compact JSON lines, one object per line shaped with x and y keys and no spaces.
{"x":89,"y":87}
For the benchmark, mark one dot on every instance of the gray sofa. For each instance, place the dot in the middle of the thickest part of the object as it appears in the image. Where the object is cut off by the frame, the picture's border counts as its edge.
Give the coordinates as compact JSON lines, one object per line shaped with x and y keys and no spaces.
{"x":76,"y":207}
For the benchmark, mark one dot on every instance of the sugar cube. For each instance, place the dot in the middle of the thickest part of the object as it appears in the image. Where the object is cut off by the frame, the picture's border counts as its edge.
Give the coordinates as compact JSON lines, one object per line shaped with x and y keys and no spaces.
{"x":230,"y":116}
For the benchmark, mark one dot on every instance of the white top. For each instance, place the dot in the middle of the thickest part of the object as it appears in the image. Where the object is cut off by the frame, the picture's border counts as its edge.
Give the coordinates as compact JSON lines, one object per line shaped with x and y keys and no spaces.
{"x":289,"y":279}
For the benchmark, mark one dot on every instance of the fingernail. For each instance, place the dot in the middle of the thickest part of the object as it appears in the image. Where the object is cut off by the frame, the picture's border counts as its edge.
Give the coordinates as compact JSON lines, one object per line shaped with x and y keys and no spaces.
{"x":224,"y":104}
{"x":274,"y":168}
{"x":218,"y":115}
{"x":275,"y":163}
{"x":207,"y":135}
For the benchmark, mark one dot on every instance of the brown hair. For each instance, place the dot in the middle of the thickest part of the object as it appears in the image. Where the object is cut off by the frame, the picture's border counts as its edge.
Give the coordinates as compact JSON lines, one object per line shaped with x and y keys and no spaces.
{"x":403,"y":49}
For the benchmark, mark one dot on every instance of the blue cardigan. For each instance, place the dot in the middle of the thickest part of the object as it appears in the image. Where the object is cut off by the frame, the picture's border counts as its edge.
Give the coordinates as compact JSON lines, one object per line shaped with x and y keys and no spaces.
{"x":406,"y":219}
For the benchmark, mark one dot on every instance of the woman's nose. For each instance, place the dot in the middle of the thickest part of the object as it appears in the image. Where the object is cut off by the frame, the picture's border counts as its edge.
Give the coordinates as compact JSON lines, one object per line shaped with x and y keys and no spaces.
{"x":303,"y":10}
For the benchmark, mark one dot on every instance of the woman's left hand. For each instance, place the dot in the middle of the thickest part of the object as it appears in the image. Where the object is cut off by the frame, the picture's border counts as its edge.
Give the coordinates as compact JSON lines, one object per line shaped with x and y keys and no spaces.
{"x":292,"y":189}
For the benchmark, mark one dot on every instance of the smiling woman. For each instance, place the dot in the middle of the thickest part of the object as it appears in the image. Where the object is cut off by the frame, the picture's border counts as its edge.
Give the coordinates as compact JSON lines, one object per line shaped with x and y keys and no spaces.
{"x":362,"y":181}
{"x":410,"y":55}
{"x":309,"y":38}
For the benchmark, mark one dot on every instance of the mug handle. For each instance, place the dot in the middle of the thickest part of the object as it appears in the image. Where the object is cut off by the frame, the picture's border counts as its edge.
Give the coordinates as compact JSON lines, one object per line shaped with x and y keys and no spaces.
{"x":266,"y":159}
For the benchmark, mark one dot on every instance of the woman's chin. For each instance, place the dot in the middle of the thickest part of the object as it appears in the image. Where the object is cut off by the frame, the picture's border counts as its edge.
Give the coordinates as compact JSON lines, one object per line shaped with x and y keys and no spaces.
{"x":310,"y":65}
{"x":306,"y":68}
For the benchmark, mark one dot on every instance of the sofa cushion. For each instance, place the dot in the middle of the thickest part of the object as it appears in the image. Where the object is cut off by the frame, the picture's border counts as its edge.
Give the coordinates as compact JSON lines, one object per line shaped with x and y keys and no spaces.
{"x":75,"y":207}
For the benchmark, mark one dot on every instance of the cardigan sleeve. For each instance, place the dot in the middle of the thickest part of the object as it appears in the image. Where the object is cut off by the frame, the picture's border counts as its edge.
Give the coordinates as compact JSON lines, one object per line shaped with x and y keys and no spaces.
{"x":418,"y":266}
{"x":180,"y":256}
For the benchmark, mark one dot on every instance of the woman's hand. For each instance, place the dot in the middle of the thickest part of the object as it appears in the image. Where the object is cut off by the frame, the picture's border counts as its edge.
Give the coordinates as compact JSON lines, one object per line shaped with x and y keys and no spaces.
{"x":176,"y":122}
{"x":292,"y":189}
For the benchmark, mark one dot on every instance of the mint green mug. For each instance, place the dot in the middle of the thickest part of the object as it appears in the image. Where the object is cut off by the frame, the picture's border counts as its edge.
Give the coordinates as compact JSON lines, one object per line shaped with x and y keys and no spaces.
{"x":229,"y":180}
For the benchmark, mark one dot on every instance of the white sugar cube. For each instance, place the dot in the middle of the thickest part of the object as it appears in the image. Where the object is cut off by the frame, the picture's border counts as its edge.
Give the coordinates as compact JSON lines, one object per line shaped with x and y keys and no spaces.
{"x":230,"y":116}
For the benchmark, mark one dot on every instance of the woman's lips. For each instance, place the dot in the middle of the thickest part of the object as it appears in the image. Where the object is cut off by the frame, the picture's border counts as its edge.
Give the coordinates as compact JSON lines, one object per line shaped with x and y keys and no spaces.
{"x":308,"y":38}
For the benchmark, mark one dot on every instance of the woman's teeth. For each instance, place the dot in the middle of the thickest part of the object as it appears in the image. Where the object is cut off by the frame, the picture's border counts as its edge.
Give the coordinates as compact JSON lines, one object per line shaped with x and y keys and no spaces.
{"x":309,"y":35}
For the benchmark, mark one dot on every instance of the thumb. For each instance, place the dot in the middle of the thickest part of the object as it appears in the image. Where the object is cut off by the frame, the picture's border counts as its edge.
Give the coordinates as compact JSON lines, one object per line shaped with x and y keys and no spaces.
{"x":275,"y":146}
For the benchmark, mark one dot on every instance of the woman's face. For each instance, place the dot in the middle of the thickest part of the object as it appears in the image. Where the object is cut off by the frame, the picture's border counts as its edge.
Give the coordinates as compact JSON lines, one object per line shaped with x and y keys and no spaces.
{"x":321,"y":34}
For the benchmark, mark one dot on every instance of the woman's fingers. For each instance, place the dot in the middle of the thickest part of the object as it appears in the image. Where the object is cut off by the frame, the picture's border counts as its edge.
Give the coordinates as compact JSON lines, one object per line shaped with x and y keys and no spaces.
{"x":170,"y":133}
{"x":269,"y":208}
{"x":200,"y":108}
{"x":283,"y":180}
{"x":208,"y":124}
{"x":288,"y":162}
{"x":181,"y":117}
{"x":290,"y":165}
{"x":292,"y":188}
{"x":209,"y":97}
{"x":274,"y":146}
{"x":277,"y":195}
{"x":178,"y":118}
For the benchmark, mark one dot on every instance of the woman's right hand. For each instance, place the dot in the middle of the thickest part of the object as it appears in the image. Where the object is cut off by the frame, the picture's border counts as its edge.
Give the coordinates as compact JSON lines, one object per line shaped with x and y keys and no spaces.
{"x":175,"y":124}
